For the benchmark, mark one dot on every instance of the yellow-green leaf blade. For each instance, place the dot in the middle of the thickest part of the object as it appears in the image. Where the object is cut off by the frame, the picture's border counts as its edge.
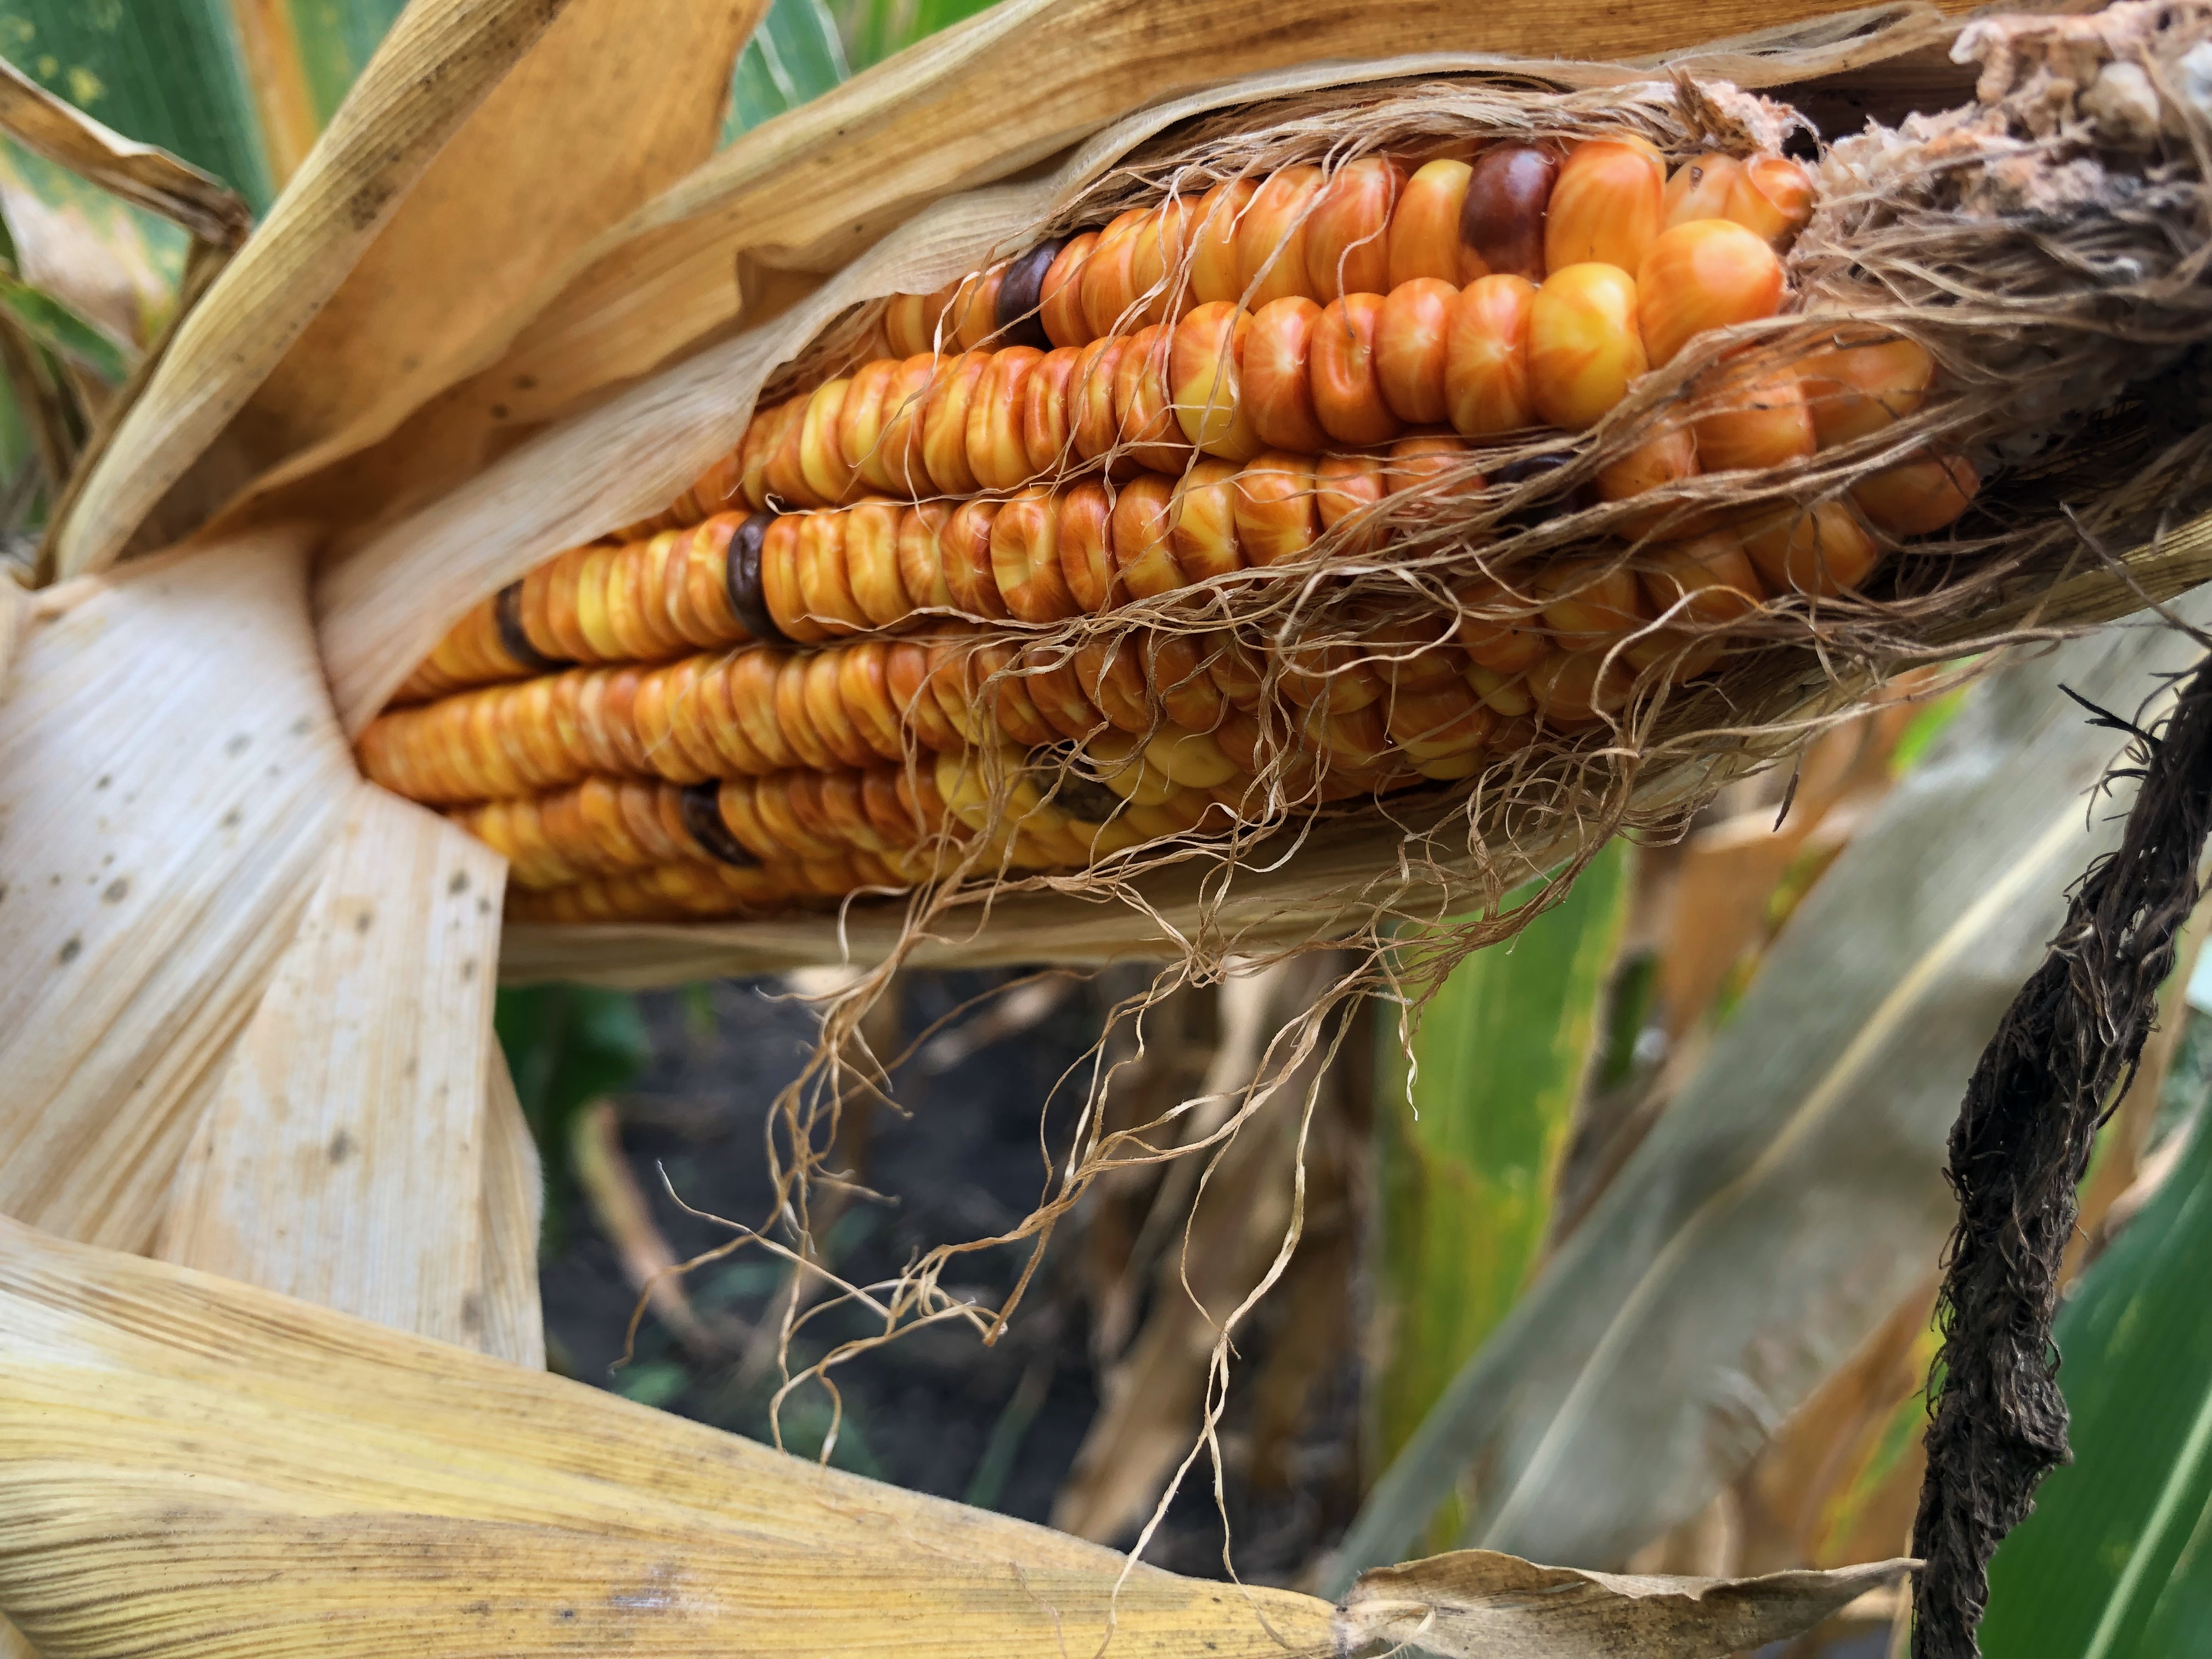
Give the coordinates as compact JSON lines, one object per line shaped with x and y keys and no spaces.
{"x":1466,"y":1161}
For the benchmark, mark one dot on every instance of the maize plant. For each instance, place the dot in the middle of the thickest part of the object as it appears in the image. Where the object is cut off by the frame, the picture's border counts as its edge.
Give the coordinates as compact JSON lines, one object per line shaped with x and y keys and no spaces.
{"x":1120,"y":479}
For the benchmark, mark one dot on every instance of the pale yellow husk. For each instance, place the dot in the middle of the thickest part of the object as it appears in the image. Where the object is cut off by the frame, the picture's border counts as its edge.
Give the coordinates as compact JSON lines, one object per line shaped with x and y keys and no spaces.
{"x":343,"y":1159}
{"x":191,"y":1466}
{"x":191,"y":858}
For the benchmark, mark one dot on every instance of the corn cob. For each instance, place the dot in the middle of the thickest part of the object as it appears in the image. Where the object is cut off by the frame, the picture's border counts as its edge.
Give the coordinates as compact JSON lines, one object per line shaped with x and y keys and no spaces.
{"x":1315,"y":315}
{"x":1408,"y":702}
{"x":607,"y":826}
{"x":1396,"y":314}
{"x":1044,"y":555}
{"x":646,"y":600}
{"x":489,"y":644}
{"x":1493,"y":357}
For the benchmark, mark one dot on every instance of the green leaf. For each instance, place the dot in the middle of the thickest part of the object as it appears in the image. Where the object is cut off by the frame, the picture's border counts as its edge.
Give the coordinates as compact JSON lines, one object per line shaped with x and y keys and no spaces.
{"x":875,"y":29}
{"x":1465,"y":1162}
{"x":61,"y":330}
{"x":2116,"y":1562}
{"x":567,"y":1045}
{"x":169,"y":74}
{"x":796,"y":54}
{"x":335,"y":39}
{"x":1792,"y":1193}
{"x":116,"y":265}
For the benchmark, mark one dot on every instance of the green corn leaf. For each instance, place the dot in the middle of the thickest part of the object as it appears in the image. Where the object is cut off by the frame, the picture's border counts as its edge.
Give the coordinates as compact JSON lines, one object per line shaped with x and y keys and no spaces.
{"x":874,"y":29}
{"x":171,"y":74}
{"x":62,"y":331}
{"x":1465,"y":1160}
{"x":335,"y":40}
{"x":796,"y":54}
{"x":2115,"y":1563}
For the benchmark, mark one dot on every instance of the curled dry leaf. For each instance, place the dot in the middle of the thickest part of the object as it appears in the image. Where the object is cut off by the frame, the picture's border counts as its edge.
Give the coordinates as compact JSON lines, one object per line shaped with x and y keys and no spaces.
{"x":1482,"y":1605}
{"x":150,"y":176}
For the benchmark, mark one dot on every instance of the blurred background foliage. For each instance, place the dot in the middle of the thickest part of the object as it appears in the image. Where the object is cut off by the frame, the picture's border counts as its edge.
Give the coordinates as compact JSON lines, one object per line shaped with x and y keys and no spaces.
{"x":1437,"y":1200}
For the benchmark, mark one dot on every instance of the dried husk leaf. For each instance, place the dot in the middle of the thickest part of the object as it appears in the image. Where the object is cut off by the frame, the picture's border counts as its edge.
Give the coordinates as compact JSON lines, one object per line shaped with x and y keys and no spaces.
{"x":439,"y":60}
{"x":343,"y":1159}
{"x":140,"y":173}
{"x":1475,"y":1604}
{"x":171,"y":780}
{"x":618,"y":101}
{"x":190,"y":1466}
{"x":514,"y":1323}
{"x":167,"y":1437}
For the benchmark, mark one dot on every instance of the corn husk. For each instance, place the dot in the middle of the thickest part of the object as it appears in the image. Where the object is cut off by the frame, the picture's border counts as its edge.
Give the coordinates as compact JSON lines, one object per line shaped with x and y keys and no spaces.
{"x":191,"y":856}
{"x":619,"y":101}
{"x":732,"y":242}
{"x":513,"y":1325}
{"x":433,"y":69}
{"x":343,"y":1159}
{"x":191,"y":1466}
{"x":171,"y":780}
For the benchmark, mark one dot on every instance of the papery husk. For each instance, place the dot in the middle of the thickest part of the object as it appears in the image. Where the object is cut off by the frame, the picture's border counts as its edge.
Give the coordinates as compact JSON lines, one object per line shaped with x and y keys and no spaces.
{"x":171,"y":780}
{"x":191,"y":1466}
{"x":619,"y":100}
{"x":345,"y":1158}
{"x":737,"y":241}
{"x":191,"y":860}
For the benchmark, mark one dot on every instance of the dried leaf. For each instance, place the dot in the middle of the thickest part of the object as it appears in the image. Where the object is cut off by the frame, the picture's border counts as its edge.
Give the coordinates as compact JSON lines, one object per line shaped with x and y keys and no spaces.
{"x":151,"y":178}
{"x":433,"y":69}
{"x":190,"y":1467}
{"x":1476,"y":1604}
{"x":171,"y":782}
{"x":342,"y":1157}
{"x":1226,"y":1238}
{"x":625,"y":1221}
{"x":620,"y":99}
{"x":112,"y":264}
